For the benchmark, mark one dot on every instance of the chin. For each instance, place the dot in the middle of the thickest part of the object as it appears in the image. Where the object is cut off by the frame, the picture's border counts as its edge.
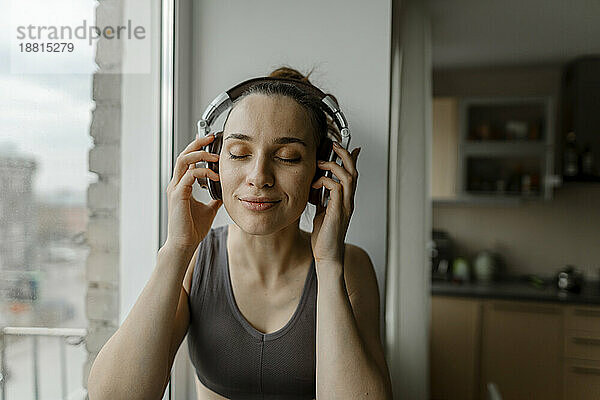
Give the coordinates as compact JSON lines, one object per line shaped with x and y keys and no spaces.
{"x":257,"y":226}
{"x":259,"y":223}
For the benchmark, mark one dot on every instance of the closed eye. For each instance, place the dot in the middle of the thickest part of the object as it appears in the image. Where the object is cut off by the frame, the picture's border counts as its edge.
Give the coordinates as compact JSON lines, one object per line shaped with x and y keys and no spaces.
{"x":286,"y":160}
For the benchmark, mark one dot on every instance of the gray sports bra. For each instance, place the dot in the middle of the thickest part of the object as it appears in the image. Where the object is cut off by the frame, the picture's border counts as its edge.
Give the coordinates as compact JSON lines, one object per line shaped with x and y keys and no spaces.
{"x":232,"y":357}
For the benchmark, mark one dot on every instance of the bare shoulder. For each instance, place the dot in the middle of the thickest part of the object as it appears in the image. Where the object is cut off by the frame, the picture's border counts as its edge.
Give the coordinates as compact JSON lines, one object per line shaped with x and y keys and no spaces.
{"x":359,"y":273}
{"x":363,"y":293}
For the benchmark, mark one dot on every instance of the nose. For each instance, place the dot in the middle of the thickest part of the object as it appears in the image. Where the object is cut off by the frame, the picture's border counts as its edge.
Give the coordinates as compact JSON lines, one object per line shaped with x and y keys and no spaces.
{"x":260,"y":174}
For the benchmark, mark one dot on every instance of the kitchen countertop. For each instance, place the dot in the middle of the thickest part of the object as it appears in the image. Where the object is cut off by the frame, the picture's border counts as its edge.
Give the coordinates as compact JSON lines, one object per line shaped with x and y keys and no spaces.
{"x":518,"y":289}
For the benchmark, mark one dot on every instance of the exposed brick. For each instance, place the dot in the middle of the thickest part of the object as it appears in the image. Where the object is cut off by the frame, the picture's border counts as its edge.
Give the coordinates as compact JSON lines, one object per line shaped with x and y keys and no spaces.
{"x":106,"y":88}
{"x":103,"y":195}
{"x":87,"y":366}
{"x":106,"y":124}
{"x":103,"y":234}
{"x":103,"y":267}
{"x":102,"y":304}
{"x":108,"y":55}
{"x":105,"y":159}
{"x":102,"y":272}
{"x":98,"y":335}
{"x":109,"y":12}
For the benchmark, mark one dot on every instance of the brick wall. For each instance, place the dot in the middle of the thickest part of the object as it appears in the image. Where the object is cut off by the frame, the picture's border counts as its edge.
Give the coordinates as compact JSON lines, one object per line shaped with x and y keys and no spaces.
{"x":102,"y":267}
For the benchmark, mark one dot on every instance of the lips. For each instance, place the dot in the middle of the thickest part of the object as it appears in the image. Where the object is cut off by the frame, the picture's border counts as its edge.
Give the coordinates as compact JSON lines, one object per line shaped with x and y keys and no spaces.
{"x":258,"y":203}
{"x":258,"y":199}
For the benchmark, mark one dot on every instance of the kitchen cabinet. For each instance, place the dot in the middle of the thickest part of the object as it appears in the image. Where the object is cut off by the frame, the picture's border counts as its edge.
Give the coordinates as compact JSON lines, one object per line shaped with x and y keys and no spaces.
{"x":497,"y":149}
{"x":444,"y":149}
{"x":529,"y":349}
{"x":582,"y":352}
{"x":521,"y":349}
{"x":506,"y":147}
{"x":455,"y":335}
{"x":580,"y":117}
{"x":582,"y":380}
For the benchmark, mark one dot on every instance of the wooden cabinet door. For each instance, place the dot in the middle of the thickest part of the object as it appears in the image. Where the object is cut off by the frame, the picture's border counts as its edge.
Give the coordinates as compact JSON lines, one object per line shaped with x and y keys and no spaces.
{"x":454,"y":348}
{"x":582,"y":380}
{"x":444,"y":149}
{"x":522,"y":349}
{"x":582,"y":352}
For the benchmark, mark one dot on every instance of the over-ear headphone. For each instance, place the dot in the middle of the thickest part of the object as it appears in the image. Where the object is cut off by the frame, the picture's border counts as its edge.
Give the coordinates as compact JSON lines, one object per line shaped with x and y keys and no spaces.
{"x":224,"y":101}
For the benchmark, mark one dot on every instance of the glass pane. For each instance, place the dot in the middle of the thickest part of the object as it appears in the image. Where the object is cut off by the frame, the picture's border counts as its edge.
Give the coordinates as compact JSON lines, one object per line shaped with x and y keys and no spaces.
{"x":44,"y":144}
{"x":504,"y":176}
{"x":506,"y":122}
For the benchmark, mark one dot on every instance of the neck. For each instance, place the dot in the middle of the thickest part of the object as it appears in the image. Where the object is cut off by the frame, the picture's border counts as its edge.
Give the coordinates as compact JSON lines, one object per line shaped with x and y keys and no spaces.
{"x":269,"y":256}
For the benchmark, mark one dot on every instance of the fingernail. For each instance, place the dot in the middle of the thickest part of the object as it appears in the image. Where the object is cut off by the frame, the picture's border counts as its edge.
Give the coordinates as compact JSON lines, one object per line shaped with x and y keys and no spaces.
{"x":336,"y":144}
{"x":320,"y":162}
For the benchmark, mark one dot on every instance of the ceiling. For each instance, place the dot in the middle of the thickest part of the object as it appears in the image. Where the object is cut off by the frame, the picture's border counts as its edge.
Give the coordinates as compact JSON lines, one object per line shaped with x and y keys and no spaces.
{"x":469,"y":33}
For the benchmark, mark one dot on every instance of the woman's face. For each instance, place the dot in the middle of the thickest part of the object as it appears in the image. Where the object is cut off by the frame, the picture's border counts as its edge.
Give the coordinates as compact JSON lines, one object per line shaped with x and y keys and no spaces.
{"x":268,"y":152}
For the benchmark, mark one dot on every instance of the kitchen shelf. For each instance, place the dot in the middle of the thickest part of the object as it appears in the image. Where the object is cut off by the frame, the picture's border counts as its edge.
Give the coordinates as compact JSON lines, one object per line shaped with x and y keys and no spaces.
{"x":483,"y":200}
{"x":504,"y":143}
{"x":505,"y":148}
{"x":581,"y":179}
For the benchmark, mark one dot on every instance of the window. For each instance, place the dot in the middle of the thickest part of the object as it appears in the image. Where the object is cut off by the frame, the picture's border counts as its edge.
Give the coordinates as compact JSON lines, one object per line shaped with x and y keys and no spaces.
{"x":44,"y":143}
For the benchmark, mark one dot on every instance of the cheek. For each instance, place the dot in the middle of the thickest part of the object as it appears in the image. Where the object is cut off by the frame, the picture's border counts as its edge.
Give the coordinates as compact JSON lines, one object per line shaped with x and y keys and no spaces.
{"x":300,"y":181}
{"x":228,"y":175}
{"x":295,"y":182}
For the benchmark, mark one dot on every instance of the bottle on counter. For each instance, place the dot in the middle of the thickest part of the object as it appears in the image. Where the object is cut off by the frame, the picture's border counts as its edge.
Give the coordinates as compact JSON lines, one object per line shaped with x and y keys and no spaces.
{"x":570,"y":159}
{"x":587,"y":160}
{"x":461,"y":270}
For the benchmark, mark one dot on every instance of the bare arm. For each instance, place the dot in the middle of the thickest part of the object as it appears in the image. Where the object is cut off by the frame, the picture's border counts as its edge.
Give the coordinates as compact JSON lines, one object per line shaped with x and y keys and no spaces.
{"x":350,"y":358}
{"x":136,"y":361}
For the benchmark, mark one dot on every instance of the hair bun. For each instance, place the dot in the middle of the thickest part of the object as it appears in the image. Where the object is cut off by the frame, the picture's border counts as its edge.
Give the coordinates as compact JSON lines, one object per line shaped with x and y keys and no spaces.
{"x":290,"y":73}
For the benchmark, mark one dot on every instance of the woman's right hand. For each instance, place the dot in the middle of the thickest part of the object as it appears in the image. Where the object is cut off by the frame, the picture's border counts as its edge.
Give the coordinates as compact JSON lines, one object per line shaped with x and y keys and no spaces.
{"x":189,"y":220}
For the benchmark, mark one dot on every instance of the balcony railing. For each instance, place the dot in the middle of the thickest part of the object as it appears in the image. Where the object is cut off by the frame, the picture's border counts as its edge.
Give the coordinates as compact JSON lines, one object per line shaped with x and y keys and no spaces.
{"x":70,"y":336}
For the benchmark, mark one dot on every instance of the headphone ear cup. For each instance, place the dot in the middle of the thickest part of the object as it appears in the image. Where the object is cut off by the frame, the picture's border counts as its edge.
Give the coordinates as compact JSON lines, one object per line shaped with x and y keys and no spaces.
{"x":324,"y":154}
{"x":215,"y":147}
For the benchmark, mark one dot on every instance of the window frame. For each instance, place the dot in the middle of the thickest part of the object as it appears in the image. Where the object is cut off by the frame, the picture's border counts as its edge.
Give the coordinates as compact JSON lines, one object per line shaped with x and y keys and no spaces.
{"x":176,"y":132}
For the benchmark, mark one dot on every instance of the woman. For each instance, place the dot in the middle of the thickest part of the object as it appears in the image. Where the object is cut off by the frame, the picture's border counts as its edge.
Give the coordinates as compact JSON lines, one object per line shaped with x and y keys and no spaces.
{"x":247,"y":292}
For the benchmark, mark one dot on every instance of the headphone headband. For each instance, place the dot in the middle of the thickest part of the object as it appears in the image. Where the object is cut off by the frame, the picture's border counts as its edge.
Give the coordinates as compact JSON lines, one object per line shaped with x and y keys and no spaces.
{"x":225,"y":100}
{"x":240,"y":88}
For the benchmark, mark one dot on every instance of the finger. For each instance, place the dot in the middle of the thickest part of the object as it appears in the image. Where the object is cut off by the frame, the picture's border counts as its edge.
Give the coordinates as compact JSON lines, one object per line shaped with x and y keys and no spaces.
{"x":197,"y":143}
{"x":182,"y":164}
{"x":347,"y":159}
{"x":189,"y":177}
{"x":212,"y":204}
{"x":347,"y":180}
{"x":335,"y":193}
{"x":355,"y":153}
{"x":215,"y":204}
{"x":193,"y":157}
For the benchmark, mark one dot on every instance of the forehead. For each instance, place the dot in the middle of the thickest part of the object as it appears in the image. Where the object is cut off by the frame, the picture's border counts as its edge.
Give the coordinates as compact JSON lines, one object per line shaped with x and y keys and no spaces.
{"x":269,"y":117}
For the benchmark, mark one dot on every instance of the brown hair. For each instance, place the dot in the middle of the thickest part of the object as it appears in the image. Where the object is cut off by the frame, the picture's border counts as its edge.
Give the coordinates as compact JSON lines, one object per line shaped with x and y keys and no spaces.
{"x":320,"y":120}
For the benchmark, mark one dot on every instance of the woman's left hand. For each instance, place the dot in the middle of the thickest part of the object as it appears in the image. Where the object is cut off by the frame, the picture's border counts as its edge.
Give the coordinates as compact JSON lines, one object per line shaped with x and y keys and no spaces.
{"x":331,"y":223}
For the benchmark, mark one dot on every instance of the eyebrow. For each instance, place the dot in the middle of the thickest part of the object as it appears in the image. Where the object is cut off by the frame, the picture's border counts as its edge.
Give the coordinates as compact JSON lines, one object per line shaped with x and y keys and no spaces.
{"x":279,"y":140}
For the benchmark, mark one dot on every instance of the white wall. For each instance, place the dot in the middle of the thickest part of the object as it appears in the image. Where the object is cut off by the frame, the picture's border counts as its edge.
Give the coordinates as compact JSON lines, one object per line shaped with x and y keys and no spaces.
{"x":140,"y":167}
{"x":349,"y":44}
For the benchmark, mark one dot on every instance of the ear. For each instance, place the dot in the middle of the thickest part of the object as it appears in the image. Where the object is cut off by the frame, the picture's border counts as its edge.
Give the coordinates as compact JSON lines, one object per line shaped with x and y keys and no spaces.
{"x":323,"y":154}
{"x":215,"y":146}
{"x":325,"y":149}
